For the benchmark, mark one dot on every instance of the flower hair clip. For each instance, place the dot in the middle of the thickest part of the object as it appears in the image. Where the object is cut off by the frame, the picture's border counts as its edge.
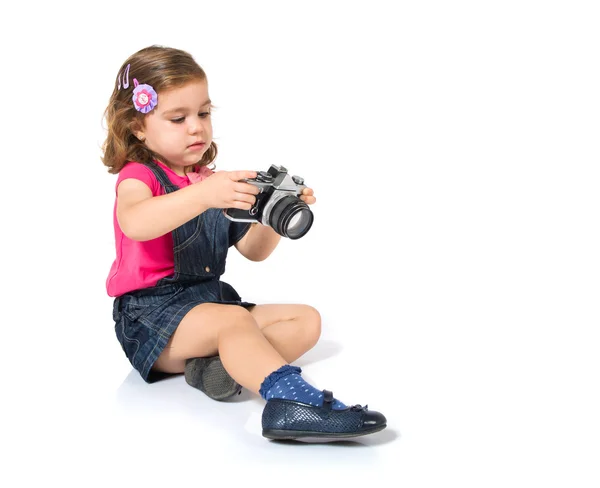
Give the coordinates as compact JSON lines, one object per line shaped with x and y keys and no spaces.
{"x":144,"y":97}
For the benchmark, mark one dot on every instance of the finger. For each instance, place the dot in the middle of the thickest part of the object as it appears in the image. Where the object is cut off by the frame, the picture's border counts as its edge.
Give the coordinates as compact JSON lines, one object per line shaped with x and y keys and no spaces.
{"x":309,"y":199}
{"x":246,"y":188}
{"x":240,"y":175}
{"x":244,"y":197}
{"x":308,"y":191}
{"x":240,"y":205}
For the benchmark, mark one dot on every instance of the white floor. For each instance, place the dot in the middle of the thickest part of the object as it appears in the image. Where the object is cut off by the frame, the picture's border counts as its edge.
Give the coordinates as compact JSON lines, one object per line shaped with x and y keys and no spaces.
{"x":457,"y":415}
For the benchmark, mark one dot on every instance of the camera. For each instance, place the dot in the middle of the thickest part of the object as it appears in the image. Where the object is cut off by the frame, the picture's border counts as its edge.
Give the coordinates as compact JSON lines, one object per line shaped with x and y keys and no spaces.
{"x":277,"y":205}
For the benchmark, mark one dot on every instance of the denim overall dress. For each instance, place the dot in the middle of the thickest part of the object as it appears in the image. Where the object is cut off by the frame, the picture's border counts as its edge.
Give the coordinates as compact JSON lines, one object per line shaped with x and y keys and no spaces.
{"x":146,"y":319}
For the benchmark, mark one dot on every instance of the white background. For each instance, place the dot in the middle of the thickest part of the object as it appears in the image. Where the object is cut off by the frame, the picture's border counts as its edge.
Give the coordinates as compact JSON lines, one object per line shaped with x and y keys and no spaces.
{"x":453,"y":149}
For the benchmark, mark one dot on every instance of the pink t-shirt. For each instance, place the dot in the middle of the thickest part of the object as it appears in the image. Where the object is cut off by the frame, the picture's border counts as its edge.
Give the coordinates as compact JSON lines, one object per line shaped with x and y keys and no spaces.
{"x":142,"y":264}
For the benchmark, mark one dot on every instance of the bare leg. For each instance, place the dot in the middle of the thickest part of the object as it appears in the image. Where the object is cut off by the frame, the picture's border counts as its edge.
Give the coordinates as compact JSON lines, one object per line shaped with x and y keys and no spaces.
{"x":291,"y":329}
{"x":236,"y":335}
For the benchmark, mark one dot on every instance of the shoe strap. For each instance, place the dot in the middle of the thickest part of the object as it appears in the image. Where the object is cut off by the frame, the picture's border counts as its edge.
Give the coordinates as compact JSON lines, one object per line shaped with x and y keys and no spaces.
{"x":327,"y":399}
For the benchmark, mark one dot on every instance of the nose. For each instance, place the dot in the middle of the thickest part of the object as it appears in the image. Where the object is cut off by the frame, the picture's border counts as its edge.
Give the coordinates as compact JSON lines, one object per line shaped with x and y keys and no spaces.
{"x":195,"y":126}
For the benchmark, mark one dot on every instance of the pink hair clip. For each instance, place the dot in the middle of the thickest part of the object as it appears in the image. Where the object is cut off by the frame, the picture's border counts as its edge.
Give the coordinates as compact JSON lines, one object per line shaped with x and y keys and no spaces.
{"x":125,"y":76}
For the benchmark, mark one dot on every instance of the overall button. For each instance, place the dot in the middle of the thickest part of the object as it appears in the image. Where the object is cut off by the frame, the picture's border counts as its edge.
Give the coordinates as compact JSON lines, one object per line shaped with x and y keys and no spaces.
{"x":207,"y":269}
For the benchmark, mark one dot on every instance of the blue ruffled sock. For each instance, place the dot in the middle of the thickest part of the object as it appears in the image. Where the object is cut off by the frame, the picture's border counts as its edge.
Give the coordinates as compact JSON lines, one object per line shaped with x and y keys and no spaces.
{"x":286,"y":383}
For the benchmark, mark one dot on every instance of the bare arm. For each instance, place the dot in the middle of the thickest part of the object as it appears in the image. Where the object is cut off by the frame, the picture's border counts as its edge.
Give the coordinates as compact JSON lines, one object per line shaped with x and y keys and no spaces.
{"x":258,"y":243}
{"x":143,"y":217}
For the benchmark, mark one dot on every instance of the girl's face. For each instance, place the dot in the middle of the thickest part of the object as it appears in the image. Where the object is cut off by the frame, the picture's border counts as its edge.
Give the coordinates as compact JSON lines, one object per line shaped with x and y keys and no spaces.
{"x":179,"y":128}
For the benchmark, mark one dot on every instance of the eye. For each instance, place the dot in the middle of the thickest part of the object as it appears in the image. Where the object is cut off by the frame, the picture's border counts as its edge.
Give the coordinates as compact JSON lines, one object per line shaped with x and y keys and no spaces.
{"x":204,"y":114}
{"x":178,"y":120}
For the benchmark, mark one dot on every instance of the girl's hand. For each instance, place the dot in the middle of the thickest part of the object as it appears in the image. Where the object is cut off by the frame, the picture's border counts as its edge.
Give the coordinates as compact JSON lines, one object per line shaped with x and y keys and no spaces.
{"x":307,"y":196}
{"x":224,"y":189}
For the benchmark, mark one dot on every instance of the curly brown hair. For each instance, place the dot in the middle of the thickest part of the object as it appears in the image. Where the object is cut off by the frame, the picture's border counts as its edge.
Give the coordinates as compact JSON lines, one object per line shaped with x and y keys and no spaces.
{"x":162,"y":68}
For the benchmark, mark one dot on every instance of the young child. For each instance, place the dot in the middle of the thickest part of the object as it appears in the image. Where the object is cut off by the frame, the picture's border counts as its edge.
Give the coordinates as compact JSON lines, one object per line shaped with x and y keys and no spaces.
{"x":172,"y":312}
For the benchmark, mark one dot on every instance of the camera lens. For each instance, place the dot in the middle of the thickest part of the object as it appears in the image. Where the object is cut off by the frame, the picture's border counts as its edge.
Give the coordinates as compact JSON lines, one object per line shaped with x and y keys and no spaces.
{"x":291,"y":217}
{"x":299,"y":224}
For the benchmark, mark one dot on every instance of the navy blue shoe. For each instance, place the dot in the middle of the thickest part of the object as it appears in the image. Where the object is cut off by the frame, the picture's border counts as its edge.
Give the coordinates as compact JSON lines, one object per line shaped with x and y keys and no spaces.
{"x":288,"y":419}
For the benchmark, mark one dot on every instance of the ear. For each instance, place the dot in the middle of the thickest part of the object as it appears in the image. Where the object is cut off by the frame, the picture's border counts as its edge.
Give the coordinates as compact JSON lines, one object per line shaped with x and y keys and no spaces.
{"x":138,"y":131}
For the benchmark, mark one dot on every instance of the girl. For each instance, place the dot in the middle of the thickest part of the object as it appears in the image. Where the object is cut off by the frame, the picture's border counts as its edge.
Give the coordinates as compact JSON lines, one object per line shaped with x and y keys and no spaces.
{"x":172,"y":312}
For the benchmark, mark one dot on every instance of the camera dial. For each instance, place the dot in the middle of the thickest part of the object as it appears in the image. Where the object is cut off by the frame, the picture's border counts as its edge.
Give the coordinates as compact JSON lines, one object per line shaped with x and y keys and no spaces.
{"x":264,"y":177}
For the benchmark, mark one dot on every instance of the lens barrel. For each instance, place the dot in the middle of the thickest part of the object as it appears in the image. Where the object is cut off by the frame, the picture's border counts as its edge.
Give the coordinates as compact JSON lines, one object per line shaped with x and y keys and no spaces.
{"x":290,"y":217}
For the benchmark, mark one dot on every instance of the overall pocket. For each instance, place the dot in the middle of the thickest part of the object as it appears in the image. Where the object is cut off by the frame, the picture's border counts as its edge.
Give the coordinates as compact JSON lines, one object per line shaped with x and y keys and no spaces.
{"x":187,"y":234}
{"x":137,"y":306}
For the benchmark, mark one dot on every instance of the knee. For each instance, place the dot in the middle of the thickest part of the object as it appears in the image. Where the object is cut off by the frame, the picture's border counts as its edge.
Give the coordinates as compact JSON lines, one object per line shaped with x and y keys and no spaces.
{"x":311,"y":325}
{"x":239,"y":317}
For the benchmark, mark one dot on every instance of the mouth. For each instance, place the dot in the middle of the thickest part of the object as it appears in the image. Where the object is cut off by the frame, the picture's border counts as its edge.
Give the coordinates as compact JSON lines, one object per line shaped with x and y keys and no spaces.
{"x":197,"y":145}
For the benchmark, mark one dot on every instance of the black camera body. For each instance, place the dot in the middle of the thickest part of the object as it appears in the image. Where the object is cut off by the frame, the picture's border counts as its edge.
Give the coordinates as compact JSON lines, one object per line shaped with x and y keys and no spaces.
{"x":278,"y":204}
